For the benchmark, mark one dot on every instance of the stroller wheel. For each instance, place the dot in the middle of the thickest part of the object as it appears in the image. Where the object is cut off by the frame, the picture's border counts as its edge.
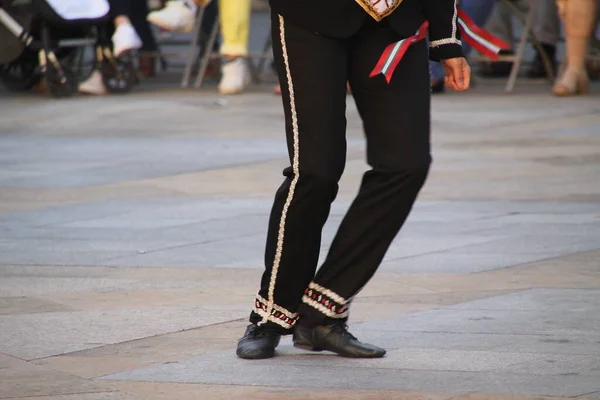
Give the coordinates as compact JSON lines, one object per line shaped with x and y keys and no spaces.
{"x":61,"y":86}
{"x":118,"y":74}
{"x":20,"y":76}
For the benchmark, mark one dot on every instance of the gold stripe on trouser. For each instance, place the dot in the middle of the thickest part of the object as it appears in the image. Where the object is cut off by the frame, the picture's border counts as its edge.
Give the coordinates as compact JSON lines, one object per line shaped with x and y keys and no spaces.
{"x":296,"y":170}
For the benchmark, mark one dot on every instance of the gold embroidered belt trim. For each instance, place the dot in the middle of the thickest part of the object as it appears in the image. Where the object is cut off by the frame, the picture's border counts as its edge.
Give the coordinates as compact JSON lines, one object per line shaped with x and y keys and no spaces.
{"x":379,"y":9}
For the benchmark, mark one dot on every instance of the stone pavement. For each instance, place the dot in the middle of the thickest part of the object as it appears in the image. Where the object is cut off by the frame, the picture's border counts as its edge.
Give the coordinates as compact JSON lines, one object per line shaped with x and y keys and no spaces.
{"x":131,"y":240}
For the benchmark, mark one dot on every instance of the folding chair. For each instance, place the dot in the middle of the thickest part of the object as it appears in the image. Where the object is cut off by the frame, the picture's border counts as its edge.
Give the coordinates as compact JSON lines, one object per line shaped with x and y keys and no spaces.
{"x":526,"y":19}
{"x":193,"y":48}
{"x":255,"y":70}
{"x":266,"y":54}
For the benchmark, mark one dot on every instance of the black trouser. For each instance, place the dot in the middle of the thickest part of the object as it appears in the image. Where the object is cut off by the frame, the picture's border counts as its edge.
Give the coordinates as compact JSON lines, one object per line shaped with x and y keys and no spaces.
{"x":137,"y":15}
{"x":313,"y":71}
{"x":119,"y":7}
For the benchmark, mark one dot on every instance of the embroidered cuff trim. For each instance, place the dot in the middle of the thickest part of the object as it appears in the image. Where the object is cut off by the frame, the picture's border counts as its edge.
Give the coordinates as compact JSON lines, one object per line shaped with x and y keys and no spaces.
{"x":332,"y":295}
{"x":323,"y":309}
{"x":327,"y":302}
{"x":263,"y":301}
{"x":441,"y":42}
{"x":279,"y":315}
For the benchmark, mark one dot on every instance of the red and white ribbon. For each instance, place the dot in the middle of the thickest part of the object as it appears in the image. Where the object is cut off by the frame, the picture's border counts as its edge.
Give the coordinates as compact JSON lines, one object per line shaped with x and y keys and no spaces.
{"x":481,"y":40}
{"x":394,"y":52}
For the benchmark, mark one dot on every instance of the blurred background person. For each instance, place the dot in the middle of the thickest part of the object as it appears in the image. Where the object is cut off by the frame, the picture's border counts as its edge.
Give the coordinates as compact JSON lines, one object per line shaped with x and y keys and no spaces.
{"x":546,"y":28}
{"x":147,"y":60}
{"x":234,"y":17}
{"x":579,"y":17}
{"x":124,"y":38}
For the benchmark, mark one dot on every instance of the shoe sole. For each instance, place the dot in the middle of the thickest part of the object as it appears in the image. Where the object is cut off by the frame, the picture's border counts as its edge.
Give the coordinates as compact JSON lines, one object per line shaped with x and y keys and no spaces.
{"x":302,"y":340}
{"x":256,"y":356}
{"x":157,"y":22}
{"x":307,"y":346}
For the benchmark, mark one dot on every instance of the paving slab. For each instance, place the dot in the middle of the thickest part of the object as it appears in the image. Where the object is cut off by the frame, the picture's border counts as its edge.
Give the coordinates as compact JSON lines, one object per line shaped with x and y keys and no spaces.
{"x":559,"y":365}
{"x":81,"y":396}
{"x":423,"y":359}
{"x":29,"y":305}
{"x":132,"y":233}
{"x":319,"y":374}
{"x":571,"y":345}
{"x":150,"y":233}
{"x":48,"y":280}
{"x":520,"y":322}
{"x":448,"y":370}
{"x":164,"y":391}
{"x":42,"y":335}
{"x":562,"y":301}
{"x":459,"y":261}
{"x":124,"y":159}
{"x":21,"y":379}
{"x":487,"y":396}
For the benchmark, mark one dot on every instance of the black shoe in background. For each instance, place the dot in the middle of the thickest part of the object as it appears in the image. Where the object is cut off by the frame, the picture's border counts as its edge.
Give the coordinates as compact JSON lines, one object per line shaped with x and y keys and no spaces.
{"x":537,"y":69}
{"x":335,"y":338}
{"x":498,"y":69}
{"x":257,"y":343}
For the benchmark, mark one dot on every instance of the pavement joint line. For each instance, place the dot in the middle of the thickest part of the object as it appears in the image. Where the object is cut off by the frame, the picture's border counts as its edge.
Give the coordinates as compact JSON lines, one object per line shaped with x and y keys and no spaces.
{"x":523,"y":265}
{"x":543,"y":260}
{"x":15,"y":357}
{"x":137,"y":340}
{"x":494,"y":293}
{"x":42,"y":396}
{"x":442,"y":250}
{"x":482,"y":333}
{"x":183,"y":245}
{"x":585,"y":394}
{"x":574,"y":114}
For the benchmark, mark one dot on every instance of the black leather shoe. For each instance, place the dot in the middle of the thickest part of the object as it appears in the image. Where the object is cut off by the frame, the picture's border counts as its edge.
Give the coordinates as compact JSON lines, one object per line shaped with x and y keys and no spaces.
{"x":257,"y":343}
{"x":335,"y":338}
{"x":497,"y":69}
{"x":538,"y":69}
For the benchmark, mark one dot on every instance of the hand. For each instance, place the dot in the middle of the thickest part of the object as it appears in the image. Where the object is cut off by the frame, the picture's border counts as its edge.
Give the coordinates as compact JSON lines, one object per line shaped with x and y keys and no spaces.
{"x":458,"y":73}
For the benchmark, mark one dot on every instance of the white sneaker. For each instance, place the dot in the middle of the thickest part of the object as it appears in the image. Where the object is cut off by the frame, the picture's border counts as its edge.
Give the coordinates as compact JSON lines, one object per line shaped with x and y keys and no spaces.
{"x":125,"y":38}
{"x":235,"y":77}
{"x":176,"y":16}
{"x":93,"y":85}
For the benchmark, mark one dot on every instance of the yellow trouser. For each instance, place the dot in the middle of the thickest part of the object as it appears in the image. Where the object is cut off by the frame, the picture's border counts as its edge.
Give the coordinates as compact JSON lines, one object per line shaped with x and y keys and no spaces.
{"x":234,"y":17}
